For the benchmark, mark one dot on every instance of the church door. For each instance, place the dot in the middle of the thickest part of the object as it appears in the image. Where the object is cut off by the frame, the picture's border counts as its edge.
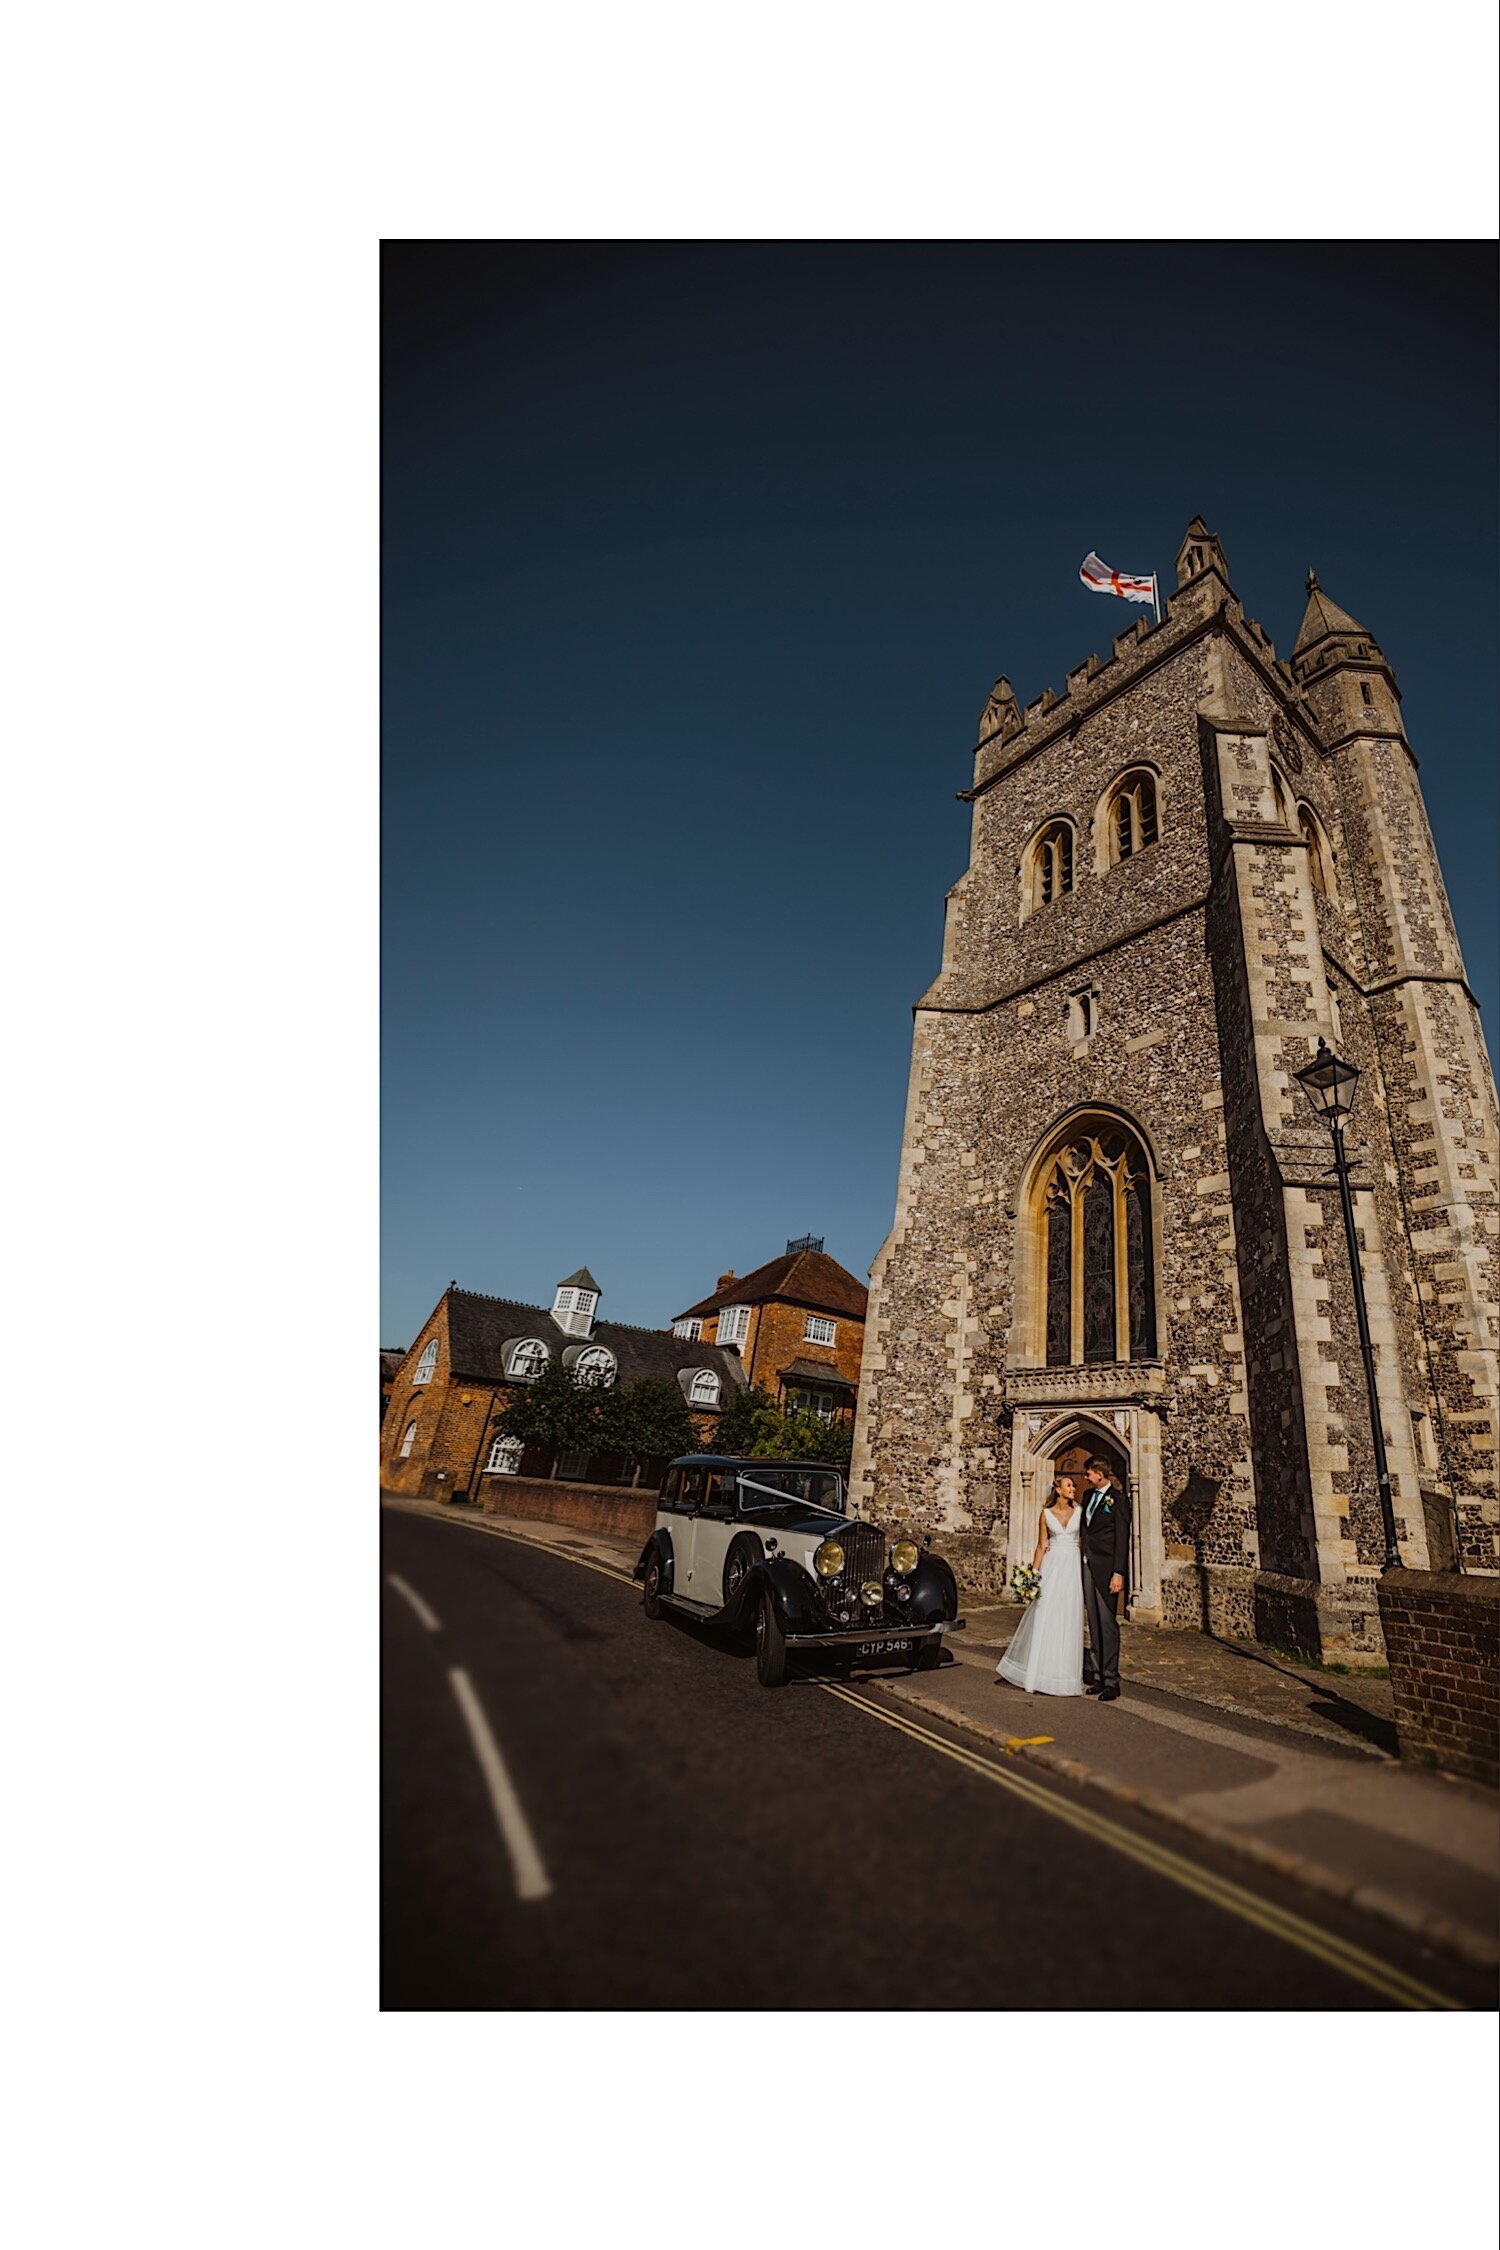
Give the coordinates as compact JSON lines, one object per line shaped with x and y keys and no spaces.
{"x":1073,"y":1460}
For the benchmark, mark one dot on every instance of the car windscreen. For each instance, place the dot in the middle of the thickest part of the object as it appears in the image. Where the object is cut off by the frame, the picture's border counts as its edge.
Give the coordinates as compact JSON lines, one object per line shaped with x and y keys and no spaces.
{"x":817,"y":1488}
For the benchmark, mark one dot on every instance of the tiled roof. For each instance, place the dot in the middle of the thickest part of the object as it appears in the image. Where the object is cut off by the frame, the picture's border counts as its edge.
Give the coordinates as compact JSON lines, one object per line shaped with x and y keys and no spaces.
{"x":583,"y":1279}
{"x":814,"y":1371}
{"x":802,"y":1277}
{"x":479,"y":1328}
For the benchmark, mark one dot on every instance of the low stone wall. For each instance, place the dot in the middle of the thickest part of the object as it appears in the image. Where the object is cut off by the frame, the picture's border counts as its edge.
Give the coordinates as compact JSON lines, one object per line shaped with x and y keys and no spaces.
{"x":610,"y":1508}
{"x":1442,"y":1637}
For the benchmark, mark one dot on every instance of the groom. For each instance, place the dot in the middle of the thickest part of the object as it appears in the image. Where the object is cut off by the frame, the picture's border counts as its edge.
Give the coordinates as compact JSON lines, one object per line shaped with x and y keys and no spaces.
{"x":1104,"y":1542}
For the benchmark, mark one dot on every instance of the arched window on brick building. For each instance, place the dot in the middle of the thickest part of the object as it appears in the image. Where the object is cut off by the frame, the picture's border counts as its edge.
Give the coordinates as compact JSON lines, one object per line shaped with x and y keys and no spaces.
{"x":1092,"y":1238}
{"x":427,"y":1362}
{"x":408,"y":1441}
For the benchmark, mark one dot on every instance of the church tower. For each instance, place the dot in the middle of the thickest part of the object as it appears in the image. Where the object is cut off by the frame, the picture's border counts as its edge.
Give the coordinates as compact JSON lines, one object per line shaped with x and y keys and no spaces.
{"x":1116,"y":1231}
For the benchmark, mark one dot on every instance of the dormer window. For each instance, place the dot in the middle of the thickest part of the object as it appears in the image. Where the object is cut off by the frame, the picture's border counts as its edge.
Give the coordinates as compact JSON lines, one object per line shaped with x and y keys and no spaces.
{"x":705,"y":1389}
{"x":688,"y":1330}
{"x":427,"y":1362}
{"x":594,"y":1370}
{"x":734,"y":1324}
{"x":527,"y":1361}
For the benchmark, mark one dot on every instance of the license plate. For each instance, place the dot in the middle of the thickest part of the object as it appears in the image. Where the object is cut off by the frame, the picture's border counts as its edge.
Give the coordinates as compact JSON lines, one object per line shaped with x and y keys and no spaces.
{"x":885,"y":1648}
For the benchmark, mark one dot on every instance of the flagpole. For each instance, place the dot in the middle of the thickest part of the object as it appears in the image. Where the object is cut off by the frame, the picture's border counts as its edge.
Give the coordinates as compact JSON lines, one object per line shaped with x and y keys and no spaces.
{"x":1155,"y":598}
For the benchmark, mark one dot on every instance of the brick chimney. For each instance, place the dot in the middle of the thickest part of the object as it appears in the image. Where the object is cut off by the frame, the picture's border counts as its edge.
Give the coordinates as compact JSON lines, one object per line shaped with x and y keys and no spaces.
{"x":724,"y":1280}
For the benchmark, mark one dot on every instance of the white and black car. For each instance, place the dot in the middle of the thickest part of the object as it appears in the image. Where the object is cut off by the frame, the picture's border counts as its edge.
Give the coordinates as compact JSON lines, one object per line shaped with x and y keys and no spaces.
{"x":766,"y":1547}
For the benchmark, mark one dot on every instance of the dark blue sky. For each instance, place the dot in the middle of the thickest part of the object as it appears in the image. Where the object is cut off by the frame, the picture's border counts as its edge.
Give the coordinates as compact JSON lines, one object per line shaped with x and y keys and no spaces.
{"x":699,"y":564}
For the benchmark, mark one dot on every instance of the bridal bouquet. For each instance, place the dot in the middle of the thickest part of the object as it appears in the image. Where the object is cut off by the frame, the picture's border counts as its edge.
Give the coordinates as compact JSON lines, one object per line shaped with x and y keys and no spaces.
{"x":1025,"y":1583}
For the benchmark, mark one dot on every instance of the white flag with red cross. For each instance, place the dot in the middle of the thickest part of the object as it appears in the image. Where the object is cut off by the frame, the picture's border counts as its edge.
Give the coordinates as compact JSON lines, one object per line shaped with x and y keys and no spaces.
{"x":1129,"y":585}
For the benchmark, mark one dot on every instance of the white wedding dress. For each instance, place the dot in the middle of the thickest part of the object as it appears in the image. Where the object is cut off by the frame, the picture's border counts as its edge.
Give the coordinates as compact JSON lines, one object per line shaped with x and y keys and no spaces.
{"x":1046,"y":1656}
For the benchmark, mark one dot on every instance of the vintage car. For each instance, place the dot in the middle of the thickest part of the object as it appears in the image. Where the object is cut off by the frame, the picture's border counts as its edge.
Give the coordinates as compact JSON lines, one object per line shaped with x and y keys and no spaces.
{"x":765,"y":1547}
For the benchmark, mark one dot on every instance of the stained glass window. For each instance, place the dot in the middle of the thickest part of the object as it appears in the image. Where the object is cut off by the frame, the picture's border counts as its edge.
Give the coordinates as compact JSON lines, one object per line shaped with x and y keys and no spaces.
{"x":1100,"y":1289}
{"x":1059,"y":1280}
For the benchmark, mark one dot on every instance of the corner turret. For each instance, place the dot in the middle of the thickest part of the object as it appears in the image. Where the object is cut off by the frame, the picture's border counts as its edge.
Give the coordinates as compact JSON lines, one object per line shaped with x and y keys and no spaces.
{"x":1342,"y":672}
{"x":1199,"y":554}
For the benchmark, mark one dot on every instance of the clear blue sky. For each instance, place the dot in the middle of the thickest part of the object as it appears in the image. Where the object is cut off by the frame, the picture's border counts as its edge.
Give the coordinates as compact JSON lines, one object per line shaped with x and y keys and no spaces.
{"x":699,"y":562}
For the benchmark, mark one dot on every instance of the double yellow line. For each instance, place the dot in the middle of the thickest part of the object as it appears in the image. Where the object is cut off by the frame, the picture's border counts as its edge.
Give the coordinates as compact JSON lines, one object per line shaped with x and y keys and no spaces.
{"x":1335,"y":1952}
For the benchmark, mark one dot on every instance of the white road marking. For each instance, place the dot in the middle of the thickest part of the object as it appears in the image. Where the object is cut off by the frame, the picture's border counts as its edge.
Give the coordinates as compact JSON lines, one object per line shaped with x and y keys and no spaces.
{"x":410,"y":1594}
{"x":526,"y":1861}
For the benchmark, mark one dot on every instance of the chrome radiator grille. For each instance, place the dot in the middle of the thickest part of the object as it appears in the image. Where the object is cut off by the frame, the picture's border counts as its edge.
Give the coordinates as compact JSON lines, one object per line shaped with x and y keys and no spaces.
{"x":864,"y":1552}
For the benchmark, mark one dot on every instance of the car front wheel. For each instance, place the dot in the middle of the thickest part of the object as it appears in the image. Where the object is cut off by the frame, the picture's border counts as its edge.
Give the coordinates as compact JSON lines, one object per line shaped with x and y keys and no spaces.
{"x":770,"y":1644}
{"x":651,"y":1590}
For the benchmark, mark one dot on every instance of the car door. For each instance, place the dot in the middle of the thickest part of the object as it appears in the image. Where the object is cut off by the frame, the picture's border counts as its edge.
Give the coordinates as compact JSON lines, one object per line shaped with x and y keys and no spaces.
{"x":686,"y":1500}
{"x":711,"y":1530}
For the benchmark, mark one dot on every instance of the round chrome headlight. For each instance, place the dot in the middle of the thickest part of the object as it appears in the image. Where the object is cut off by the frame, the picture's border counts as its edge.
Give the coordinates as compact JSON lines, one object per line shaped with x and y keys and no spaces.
{"x":829,"y":1559}
{"x":872,"y":1594}
{"x":905,"y":1556}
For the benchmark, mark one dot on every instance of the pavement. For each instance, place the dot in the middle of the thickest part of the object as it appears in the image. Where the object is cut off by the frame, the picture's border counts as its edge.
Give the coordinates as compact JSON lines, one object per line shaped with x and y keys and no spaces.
{"x":1281,"y":1765}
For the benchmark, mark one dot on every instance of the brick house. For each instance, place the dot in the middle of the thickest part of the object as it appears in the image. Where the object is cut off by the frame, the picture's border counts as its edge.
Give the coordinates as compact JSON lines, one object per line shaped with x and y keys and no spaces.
{"x":392,"y":1357}
{"x":439,"y":1438}
{"x":797,"y":1323}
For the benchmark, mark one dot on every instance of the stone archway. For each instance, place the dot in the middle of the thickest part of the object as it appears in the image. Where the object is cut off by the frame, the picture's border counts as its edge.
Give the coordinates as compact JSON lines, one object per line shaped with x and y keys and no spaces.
{"x":1127,"y":1434}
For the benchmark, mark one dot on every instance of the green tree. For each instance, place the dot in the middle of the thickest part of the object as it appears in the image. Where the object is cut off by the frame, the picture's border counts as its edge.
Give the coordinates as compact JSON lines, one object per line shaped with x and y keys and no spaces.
{"x":645,"y":1421}
{"x":753,"y":1424}
{"x":744,"y":1418}
{"x":555,"y":1414}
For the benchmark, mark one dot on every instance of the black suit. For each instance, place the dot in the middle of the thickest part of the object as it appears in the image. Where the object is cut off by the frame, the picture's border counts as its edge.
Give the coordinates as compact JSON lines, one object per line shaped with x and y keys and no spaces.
{"x":1104,"y":1547}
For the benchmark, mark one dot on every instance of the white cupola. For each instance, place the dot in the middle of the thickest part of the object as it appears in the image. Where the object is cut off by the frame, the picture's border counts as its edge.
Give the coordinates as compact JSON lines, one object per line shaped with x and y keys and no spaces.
{"x":573,"y":1306}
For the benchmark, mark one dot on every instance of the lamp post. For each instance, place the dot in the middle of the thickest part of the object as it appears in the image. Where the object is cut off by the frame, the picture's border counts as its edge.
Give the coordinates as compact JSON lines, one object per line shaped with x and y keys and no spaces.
{"x":1329,"y":1085}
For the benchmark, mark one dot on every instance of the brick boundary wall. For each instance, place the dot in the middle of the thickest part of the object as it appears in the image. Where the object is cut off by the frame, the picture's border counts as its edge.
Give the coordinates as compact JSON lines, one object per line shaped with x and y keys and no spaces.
{"x":612,"y":1509}
{"x":609,"y":1508}
{"x":1442,"y":1638}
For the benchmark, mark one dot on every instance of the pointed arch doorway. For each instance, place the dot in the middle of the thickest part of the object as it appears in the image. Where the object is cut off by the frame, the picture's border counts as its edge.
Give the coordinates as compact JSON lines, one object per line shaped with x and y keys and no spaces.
{"x":1050,"y":1438}
{"x":1072,"y":1459}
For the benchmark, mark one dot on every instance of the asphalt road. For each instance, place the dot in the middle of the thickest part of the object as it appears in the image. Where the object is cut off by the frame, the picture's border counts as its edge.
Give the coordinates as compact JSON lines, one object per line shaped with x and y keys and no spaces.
{"x":601,"y":1812}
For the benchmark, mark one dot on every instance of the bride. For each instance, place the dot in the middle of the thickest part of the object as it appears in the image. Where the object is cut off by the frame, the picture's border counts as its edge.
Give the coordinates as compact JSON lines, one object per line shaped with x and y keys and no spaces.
{"x":1046,"y":1655}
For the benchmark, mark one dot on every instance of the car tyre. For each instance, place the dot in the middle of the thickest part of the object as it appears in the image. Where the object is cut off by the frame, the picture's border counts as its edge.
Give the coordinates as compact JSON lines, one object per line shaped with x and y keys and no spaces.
{"x":929,"y":1657}
{"x":770,"y":1643}
{"x":651,"y":1587}
{"x":741,"y":1559}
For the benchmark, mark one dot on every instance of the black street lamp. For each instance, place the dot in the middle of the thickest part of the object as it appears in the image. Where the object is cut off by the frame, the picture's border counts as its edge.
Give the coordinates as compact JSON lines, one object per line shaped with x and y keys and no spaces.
{"x":1329,"y":1085}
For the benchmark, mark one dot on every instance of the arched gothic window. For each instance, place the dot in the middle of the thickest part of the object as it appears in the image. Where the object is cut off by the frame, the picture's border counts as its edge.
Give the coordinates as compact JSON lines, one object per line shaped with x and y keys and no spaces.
{"x":427,"y":1362}
{"x":408,"y":1441}
{"x":1050,"y":872}
{"x":1279,"y":790}
{"x":1310,"y":829}
{"x":1093,"y":1200}
{"x":1132,"y":816}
